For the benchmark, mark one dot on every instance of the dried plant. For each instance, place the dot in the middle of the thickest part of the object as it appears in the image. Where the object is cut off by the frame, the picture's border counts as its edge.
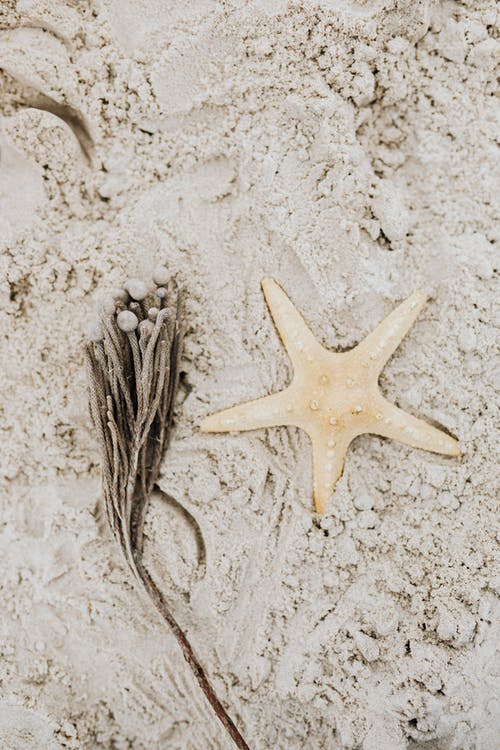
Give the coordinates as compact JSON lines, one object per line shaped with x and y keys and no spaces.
{"x":133,"y":368}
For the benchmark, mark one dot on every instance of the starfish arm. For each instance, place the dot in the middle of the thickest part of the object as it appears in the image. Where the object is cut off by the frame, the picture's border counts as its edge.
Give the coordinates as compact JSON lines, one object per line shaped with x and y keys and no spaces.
{"x":269,"y":411}
{"x":328,"y":465}
{"x":379,"y":345}
{"x":392,"y":422}
{"x":293,"y":330}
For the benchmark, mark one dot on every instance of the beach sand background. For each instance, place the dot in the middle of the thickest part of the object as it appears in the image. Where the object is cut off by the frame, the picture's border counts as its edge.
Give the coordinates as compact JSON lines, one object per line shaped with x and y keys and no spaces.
{"x":348,"y":150}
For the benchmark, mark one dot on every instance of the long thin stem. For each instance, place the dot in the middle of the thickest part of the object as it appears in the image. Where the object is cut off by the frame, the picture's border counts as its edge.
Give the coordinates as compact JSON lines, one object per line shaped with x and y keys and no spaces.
{"x":159,"y":602}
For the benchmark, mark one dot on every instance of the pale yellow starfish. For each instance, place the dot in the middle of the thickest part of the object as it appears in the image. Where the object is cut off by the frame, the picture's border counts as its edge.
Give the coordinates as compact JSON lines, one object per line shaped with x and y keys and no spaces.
{"x":334,"y":397}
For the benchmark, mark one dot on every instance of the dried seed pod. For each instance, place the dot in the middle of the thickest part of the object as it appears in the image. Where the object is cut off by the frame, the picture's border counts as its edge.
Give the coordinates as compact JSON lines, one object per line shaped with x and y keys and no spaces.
{"x":127,"y":321}
{"x":136,"y":288}
{"x":161,"y":275}
{"x":153,"y":313}
{"x":161,"y":294}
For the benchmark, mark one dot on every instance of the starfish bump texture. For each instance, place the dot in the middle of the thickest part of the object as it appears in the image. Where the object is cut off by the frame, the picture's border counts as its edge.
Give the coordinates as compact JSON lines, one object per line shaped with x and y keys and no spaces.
{"x":333,"y":396}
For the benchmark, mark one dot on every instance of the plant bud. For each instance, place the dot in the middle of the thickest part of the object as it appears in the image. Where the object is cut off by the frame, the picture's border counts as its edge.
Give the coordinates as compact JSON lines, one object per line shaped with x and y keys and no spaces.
{"x":127,"y":321}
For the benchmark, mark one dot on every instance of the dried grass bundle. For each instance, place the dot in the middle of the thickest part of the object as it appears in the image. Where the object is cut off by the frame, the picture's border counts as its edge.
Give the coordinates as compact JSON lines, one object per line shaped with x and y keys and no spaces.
{"x":133,"y":369}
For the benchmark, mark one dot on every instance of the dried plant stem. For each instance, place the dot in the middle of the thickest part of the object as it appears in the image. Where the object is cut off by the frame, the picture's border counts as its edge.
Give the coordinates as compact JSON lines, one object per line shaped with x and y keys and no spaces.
{"x":133,"y":377}
{"x":187,"y":650}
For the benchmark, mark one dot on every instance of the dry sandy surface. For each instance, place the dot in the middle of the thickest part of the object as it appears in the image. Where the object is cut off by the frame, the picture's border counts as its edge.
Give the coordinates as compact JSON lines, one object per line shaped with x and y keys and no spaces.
{"x":346,"y":148}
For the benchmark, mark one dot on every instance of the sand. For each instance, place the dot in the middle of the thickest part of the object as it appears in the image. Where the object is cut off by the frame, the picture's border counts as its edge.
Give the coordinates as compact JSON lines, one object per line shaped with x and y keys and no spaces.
{"x":348,"y":150}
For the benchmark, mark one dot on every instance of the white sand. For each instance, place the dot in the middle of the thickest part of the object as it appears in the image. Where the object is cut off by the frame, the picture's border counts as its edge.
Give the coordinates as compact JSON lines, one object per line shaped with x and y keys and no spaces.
{"x":347,"y":149}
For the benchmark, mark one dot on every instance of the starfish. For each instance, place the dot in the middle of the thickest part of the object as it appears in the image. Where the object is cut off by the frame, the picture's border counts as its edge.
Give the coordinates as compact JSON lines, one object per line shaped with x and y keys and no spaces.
{"x":334,"y":396}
